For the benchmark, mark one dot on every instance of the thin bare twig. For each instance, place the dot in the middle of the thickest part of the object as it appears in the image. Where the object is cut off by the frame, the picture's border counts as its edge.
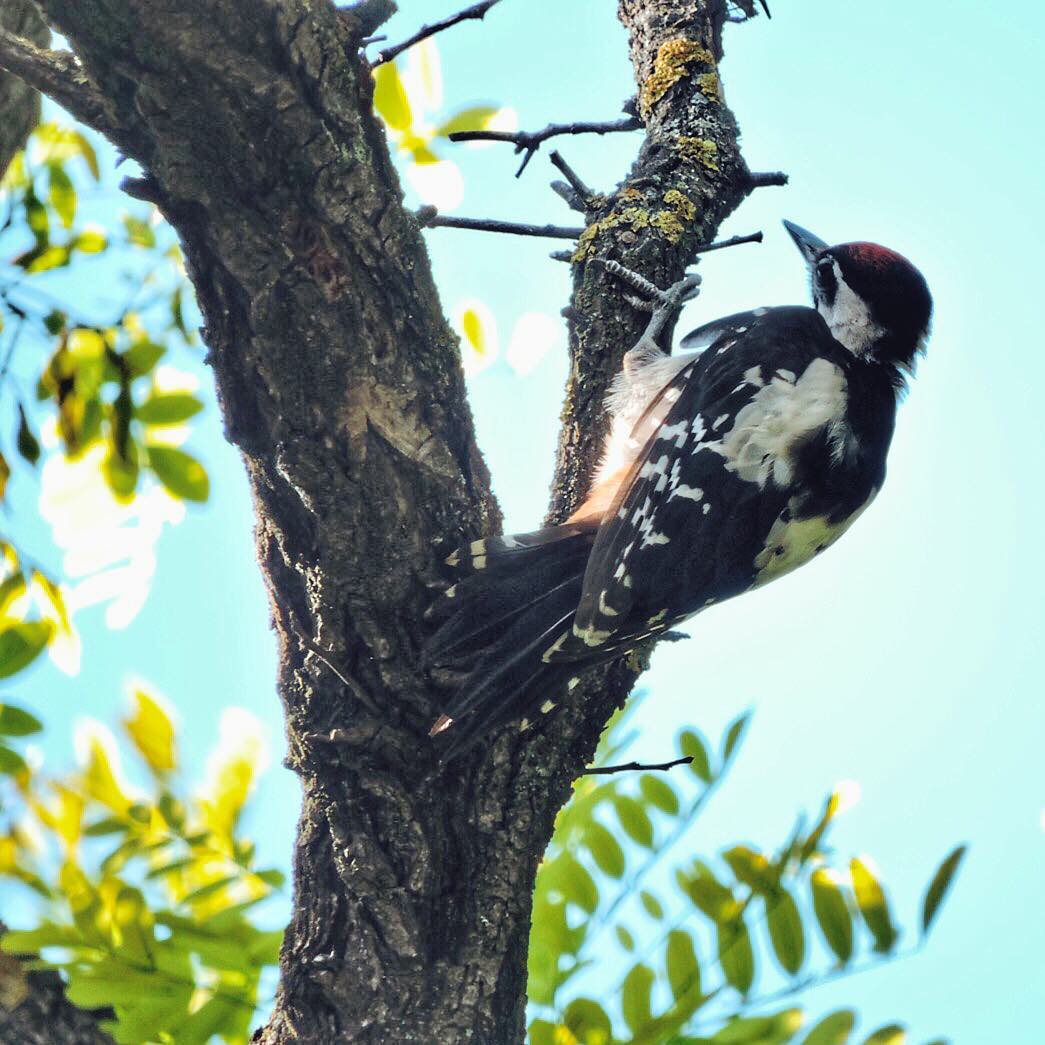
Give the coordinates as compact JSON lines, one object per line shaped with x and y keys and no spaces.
{"x":429,"y":217}
{"x":571,"y":176}
{"x":528,"y":142}
{"x":475,"y":11}
{"x":628,"y":767}
{"x":56,"y":74}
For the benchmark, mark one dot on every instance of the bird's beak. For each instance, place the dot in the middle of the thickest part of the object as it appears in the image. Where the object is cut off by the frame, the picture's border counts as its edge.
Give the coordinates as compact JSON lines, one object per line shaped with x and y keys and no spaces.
{"x":811,"y":246}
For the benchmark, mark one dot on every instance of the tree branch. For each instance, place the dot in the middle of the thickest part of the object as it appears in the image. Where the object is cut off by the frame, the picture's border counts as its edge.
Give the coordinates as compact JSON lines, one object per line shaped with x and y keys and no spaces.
{"x":475,"y":11}
{"x":628,"y":767}
{"x":430,"y":218}
{"x":528,"y":142}
{"x":56,"y":74}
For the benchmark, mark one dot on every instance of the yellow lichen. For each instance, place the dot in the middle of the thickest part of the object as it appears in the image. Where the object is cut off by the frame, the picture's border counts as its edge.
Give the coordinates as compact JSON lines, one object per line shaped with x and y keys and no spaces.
{"x":671,"y":64}
{"x":631,"y":217}
{"x":671,"y":223}
{"x":629,"y":193}
{"x":698,"y":150}
{"x":710,"y":86}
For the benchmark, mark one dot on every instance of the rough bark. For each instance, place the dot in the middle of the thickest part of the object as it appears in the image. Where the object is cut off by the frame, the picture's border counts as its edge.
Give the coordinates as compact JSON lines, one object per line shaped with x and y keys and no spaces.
{"x":340,"y":383}
{"x":19,"y":103}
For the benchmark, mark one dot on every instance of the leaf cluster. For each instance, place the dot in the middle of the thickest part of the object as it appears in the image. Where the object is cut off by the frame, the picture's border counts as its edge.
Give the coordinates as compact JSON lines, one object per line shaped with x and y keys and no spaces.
{"x":620,"y":882}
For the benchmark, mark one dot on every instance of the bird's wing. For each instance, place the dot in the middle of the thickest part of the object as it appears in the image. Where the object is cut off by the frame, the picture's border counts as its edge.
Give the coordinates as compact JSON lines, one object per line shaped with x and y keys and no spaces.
{"x":726,"y":329}
{"x":692,"y":515}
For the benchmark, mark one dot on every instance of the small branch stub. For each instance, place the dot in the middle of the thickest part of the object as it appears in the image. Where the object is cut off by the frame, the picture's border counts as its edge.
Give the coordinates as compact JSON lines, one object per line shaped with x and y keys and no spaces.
{"x":430,"y":218}
{"x":629,"y":767}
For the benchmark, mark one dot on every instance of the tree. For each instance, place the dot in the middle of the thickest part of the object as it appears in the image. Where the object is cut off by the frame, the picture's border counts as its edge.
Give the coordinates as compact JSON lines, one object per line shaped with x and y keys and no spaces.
{"x":340,"y":383}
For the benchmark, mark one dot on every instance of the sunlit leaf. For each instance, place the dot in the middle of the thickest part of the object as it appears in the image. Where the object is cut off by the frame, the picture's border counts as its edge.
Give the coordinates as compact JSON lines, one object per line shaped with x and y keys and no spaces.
{"x":833,"y":1029}
{"x":692,"y":744}
{"x":588,"y":1022}
{"x":624,"y":938}
{"x":475,"y":119}
{"x":168,"y":408}
{"x":10,"y":761}
{"x":16,"y":722}
{"x":736,"y":957}
{"x":891,"y":1034}
{"x":139,"y":233}
{"x":90,"y":241}
{"x":939,"y":886}
{"x":651,"y":904}
{"x":832,"y":914}
{"x":151,"y":730}
{"x":750,"y":867}
{"x":659,"y":793}
{"x":142,"y":356}
{"x":605,"y":849}
{"x":634,"y":819}
{"x":62,"y":195}
{"x":21,"y":644}
{"x":573,"y":880}
{"x":5,"y":474}
{"x":680,"y":959}
{"x":179,"y":472}
{"x":472,"y":325}
{"x":539,"y":1032}
{"x":870,"y":899}
{"x":785,"y":931}
{"x":734,"y":734}
{"x":635,"y":997}
{"x":390,"y":97}
{"x":708,"y":894}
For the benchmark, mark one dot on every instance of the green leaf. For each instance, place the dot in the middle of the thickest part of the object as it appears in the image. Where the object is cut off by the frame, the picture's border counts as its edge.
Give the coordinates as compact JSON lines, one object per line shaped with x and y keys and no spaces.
{"x":659,"y":793}
{"x":624,"y":938}
{"x":110,"y":825}
{"x":870,"y":899}
{"x":635,"y":997}
{"x":474,"y":119}
{"x":52,"y":258}
{"x":734,"y":735}
{"x":891,"y":1034}
{"x":692,"y":744}
{"x":90,"y":241}
{"x":16,"y":722}
{"x":751,"y":868}
{"x":139,"y":233}
{"x":651,"y":904}
{"x":390,"y":97}
{"x":832,"y":914}
{"x":62,"y":195}
{"x":210,"y":889}
{"x":605,"y":849}
{"x":121,"y":470}
{"x":712,"y":897}
{"x":566,"y":875}
{"x":785,"y":931}
{"x":21,"y":644}
{"x":27,"y":443}
{"x":736,"y":955}
{"x":180,"y":473}
{"x":938,"y":887}
{"x":152,"y":733}
{"x":587,"y":1020}
{"x":277,"y":879}
{"x":540,"y":1032}
{"x":833,"y":1029}
{"x":37,"y":219}
{"x":142,"y":356}
{"x":168,"y":408}
{"x":5,"y":474}
{"x":10,"y":761}
{"x":211,"y":1019}
{"x":634,"y":819}
{"x":680,"y":959}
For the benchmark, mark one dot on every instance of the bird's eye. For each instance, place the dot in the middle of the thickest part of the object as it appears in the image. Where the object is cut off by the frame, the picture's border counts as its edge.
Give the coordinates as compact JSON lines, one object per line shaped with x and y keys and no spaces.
{"x":826,"y":279}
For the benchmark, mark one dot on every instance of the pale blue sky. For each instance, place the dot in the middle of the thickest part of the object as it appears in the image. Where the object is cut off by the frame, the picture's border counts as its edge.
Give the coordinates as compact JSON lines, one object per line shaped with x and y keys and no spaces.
{"x":907,"y":657}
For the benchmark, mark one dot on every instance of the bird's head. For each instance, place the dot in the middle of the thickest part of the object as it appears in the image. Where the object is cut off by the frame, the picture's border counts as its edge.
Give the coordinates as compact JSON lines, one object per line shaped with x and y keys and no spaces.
{"x":875,"y":301}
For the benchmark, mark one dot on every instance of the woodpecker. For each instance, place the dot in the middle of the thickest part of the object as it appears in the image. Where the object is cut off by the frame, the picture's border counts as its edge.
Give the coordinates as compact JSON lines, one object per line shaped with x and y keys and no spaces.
{"x":725,"y":466}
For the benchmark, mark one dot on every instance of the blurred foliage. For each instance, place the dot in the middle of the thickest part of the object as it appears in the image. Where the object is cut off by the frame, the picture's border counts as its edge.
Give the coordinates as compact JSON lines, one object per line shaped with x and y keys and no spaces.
{"x":88,"y":389}
{"x":147,"y":896}
{"x":621,"y":888}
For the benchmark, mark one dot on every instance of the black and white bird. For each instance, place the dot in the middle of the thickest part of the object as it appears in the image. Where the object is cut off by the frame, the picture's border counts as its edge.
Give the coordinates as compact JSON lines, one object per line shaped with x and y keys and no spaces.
{"x":725,"y":467}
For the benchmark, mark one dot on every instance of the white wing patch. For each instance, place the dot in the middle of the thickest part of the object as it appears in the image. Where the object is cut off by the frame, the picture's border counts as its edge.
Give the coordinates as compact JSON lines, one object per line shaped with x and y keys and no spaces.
{"x":765,"y":430}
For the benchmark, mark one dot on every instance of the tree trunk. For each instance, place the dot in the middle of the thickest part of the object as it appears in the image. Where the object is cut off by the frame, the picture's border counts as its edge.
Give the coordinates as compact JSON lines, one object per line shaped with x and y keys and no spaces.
{"x":19,"y":103}
{"x":340,"y":383}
